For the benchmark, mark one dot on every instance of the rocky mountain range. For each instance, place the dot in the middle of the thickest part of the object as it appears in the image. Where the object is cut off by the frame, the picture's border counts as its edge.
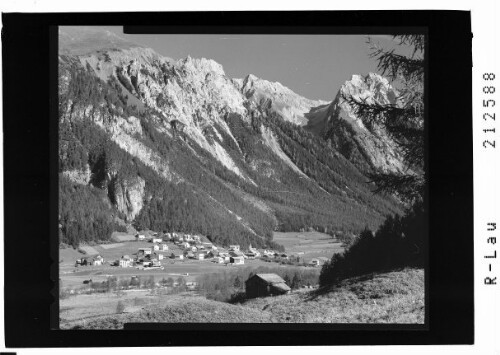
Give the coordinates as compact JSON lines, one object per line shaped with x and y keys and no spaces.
{"x":149,"y":142}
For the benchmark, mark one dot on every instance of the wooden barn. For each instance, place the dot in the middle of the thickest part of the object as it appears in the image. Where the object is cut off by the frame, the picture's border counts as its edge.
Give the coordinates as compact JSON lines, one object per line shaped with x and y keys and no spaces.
{"x":263,"y":285}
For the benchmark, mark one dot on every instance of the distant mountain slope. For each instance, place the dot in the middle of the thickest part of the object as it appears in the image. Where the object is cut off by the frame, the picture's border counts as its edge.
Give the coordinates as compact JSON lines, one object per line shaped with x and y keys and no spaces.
{"x":86,"y":39}
{"x":177,"y":145}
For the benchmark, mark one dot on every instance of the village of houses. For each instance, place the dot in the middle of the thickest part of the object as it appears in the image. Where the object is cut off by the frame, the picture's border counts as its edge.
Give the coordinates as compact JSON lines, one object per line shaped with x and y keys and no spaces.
{"x":167,"y":255}
{"x":148,"y":266}
{"x":171,"y":247}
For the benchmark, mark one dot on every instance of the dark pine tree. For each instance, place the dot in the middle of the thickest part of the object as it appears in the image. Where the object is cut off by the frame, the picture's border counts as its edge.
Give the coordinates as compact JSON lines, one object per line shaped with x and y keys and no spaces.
{"x":403,"y":121}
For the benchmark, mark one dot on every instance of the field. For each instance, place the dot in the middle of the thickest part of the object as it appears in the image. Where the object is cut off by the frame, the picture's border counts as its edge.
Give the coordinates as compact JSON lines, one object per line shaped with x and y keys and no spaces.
{"x":122,"y":237}
{"x":74,"y":277}
{"x":311,"y":244}
{"x":394,"y":297}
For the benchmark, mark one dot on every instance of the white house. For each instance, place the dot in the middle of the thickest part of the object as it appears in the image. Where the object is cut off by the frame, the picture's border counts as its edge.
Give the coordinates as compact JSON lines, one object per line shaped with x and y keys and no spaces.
{"x":140,"y":236}
{"x":200,"y":256}
{"x":318,"y":261}
{"x":157,"y":240}
{"x":125,"y":261}
{"x":237,"y":260}
{"x":191,"y":285}
{"x":314,"y":262}
{"x":250,"y":255}
{"x":177,"y":256}
{"x":160,"y":256}
{"x":218,"y":260}
{"x":163,"y":247}
{"x":235,"y":247}
{"x":98,"y":260}
{"x":156,"y":263}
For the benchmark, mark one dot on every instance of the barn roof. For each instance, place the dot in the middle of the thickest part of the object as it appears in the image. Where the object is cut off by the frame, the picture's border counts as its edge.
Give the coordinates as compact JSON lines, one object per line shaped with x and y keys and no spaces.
{"x":270,"y":278}
{"x":281,"y":286}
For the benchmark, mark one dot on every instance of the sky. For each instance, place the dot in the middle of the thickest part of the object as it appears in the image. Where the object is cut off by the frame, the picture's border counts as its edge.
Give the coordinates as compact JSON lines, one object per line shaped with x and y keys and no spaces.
{"x":314,"y":66}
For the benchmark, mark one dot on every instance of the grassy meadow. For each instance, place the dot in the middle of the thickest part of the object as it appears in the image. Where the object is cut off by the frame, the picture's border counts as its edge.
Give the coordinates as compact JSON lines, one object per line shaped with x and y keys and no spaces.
{"x":309,"y":244}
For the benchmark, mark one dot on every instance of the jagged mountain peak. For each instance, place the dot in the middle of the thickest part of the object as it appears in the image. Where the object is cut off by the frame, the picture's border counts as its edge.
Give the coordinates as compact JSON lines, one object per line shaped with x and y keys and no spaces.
{"x":204,"y":65}
{"x":369,"y":148}
{"x":372,"y":87}
{"x":292,"y":106}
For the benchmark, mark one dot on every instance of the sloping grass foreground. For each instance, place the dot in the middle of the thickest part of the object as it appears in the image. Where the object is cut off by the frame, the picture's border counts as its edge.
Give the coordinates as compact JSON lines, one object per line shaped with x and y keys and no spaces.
{"x":394,"y":297}
{"x":178,"y":309}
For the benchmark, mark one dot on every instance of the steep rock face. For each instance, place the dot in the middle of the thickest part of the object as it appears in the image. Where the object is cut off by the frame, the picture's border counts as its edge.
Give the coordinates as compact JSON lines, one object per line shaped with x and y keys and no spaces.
{"x":128,"y":196}
{"x":369,"y":148}
{"x":292,"y":107}
{"x":193,"y":92}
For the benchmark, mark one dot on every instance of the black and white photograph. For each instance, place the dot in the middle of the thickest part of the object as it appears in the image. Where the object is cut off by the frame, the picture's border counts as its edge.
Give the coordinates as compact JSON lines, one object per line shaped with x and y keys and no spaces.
{"x":254,"y":178}
{"x":240,"y":178}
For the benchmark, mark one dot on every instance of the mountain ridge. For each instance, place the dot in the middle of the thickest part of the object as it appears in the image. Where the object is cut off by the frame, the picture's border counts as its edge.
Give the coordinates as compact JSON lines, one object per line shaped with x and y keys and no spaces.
{"x":196,"y":138}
